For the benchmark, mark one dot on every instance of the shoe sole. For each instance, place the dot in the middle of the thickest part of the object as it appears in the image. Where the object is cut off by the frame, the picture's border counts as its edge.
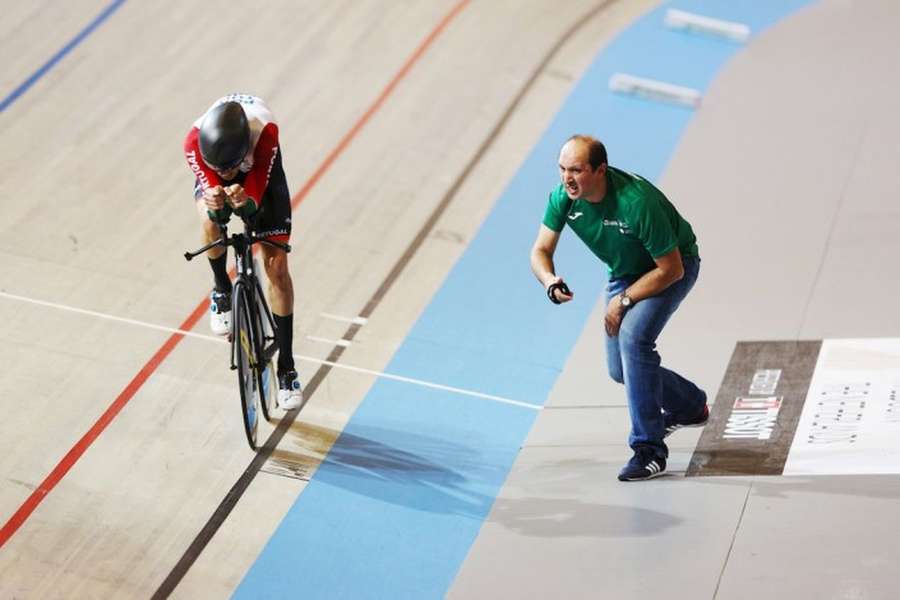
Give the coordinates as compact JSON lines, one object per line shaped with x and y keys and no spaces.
{"x":677,"y":427}
{"x":641,"y":478}
{"x":286,"y":408}
{"x":673,"y":428}
{"x":223,"y":332}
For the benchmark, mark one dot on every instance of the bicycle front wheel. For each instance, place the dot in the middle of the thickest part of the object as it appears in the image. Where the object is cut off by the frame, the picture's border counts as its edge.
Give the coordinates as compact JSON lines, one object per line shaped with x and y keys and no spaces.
{"x":245,"y":354}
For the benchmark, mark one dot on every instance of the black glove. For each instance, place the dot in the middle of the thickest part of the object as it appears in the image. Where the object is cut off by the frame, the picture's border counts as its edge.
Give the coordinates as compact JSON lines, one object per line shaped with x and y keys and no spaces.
{"x":562,"y":287}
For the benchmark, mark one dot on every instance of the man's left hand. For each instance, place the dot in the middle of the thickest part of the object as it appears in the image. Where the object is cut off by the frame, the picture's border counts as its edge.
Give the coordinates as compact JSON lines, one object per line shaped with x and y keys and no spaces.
{"x":237,"y":197}
{"x":614,"y":313}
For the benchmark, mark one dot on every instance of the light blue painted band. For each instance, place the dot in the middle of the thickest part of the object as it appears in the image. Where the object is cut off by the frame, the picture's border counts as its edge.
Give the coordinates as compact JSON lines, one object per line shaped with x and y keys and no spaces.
{"x":398,"y":502}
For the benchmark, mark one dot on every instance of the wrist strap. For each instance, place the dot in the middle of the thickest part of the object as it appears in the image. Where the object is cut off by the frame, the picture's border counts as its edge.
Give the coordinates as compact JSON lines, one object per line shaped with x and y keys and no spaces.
{"x":562,"y":287}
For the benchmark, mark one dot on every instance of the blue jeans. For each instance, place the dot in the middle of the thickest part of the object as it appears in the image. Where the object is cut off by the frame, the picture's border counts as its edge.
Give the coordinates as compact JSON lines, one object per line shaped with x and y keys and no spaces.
{"x":632,"y":360}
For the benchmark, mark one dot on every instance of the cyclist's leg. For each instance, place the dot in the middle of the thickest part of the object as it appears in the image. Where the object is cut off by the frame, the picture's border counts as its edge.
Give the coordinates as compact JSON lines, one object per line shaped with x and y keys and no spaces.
{"x":274,"y":222}
{"x":281,"y":300}
{"x":210,"y":233}
{"x":220,"y":299}
{"x":210,"y":229}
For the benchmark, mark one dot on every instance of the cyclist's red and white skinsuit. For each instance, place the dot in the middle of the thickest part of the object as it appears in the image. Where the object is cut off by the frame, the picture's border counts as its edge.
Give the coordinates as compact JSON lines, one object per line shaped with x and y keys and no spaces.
{"x":260,"y":173}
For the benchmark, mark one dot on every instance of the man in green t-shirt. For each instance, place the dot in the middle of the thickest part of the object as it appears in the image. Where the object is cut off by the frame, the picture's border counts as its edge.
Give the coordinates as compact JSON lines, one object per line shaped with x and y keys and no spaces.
{"x":651,"y":253}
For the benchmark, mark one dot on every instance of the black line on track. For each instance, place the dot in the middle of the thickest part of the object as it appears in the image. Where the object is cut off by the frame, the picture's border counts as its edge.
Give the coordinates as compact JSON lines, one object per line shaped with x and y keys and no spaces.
{"x":263,"y":453}
{"x":734,"y":535}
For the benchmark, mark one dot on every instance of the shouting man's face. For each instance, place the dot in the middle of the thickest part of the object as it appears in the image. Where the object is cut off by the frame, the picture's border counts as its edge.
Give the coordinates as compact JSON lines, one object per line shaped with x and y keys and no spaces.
{"x":576,"y":174}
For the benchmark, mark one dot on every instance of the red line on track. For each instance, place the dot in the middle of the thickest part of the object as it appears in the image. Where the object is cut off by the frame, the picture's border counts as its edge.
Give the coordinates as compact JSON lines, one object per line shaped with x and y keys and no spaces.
{"x":345,"y":141}
{"x":80,"y":447}
{"x":94,"y":432}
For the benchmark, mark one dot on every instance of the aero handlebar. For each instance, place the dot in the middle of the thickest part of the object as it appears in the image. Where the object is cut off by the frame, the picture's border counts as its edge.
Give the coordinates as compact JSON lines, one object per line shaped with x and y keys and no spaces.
{"x":236,"y":239}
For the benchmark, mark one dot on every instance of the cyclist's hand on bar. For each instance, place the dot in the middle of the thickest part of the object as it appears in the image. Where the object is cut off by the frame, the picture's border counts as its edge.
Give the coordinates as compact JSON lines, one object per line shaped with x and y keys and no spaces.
{"x":237,"y":197}
{"x":214,"y":198}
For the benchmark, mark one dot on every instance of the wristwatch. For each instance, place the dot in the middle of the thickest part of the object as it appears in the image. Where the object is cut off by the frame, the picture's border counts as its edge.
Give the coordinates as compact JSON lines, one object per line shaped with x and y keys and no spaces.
{"x":626,"y":301}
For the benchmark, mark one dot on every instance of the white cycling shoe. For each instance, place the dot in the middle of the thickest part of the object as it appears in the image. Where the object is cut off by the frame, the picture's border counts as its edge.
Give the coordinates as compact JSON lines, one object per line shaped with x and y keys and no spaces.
{"x":220,"y":312}
{"x":290,"y":396}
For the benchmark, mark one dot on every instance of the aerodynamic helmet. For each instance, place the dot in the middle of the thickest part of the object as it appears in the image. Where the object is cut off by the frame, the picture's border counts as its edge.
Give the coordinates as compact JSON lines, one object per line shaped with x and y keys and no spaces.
{"x":224,"y":136}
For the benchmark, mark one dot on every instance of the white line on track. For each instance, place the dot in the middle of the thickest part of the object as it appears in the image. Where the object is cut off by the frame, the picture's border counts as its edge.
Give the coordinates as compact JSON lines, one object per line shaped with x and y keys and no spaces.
{"x":221,"y":340}
{"x":354,"y":320}
{"x":343,"y":343}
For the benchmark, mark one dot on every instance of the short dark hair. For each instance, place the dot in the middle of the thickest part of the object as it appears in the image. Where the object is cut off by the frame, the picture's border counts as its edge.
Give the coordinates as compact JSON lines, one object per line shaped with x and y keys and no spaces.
{"x":596,"y":149}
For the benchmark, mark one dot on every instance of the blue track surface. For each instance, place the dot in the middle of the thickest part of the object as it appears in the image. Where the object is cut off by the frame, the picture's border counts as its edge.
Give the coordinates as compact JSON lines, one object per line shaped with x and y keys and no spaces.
{"x":396,"y":505}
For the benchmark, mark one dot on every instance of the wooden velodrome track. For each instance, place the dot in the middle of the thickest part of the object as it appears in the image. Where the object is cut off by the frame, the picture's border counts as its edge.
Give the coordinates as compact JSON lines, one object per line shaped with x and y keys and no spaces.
{"x":401,"y":123}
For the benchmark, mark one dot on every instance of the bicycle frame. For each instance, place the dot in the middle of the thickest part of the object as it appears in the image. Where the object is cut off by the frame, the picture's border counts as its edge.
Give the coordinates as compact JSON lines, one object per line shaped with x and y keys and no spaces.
{"x":253,"y":336}
{"x":246,"y":276}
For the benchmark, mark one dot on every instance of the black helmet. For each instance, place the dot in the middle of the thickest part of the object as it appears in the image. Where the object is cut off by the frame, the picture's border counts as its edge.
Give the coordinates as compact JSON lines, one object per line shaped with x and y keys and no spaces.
{"x":224,"y":136}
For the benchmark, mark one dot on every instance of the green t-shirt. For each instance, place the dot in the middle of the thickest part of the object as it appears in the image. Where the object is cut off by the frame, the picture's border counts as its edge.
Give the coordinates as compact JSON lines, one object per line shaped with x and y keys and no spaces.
{"x":632,"y":225}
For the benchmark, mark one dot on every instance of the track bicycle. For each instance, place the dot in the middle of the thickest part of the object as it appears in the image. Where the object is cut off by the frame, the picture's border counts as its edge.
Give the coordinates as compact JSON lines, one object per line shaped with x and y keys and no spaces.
{"x":252,"y":334}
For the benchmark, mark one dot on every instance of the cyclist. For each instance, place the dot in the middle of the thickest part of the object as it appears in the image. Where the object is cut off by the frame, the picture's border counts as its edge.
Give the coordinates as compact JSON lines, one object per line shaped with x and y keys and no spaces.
{"x":234,"y":153}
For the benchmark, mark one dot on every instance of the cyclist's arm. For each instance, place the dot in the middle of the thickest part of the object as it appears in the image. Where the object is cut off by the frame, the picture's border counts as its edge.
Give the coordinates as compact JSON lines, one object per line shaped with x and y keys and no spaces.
{"x":204,"y":174}
{"x":264,"y":155}
{"x":211,"y":192}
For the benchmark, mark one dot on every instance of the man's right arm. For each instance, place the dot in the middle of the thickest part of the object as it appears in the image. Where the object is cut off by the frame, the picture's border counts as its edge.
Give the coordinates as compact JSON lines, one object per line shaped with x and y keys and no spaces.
{"x":212,"y":193}
{"x":204,"y":174}
{"x":542,"y":260}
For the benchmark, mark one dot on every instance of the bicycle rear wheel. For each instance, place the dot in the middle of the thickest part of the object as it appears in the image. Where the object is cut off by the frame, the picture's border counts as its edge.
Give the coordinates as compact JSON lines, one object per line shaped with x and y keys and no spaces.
{"x":268,"y":387}
{"x":245,"y":354}
{"x":266,"y":345}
